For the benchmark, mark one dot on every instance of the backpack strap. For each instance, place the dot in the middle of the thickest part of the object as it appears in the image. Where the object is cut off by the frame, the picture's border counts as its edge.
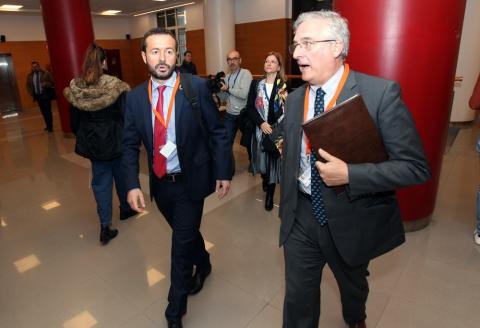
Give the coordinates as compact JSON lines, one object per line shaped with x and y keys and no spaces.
{"x":191,"y":95}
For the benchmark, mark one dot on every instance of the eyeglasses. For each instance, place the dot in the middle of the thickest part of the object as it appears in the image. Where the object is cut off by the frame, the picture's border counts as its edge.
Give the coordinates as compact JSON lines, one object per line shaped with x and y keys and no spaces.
{"x":306,"y":44}
{"x":233,"y":59}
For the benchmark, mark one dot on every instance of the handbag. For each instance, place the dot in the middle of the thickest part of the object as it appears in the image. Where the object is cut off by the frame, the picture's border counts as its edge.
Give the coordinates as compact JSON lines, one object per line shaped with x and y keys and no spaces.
{"x":269,"y":143}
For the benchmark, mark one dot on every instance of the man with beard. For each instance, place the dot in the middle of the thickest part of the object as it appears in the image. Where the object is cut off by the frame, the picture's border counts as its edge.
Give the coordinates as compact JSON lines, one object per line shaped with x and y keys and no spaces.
{"x":188,"y":159}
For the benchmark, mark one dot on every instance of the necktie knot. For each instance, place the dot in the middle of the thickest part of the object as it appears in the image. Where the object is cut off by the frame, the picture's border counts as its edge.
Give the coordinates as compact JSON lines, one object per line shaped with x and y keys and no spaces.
{"x":161,"y":88}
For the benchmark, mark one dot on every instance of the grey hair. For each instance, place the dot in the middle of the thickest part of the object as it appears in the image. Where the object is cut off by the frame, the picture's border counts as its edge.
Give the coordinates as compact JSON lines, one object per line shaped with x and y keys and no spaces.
{"x":337,"y":26}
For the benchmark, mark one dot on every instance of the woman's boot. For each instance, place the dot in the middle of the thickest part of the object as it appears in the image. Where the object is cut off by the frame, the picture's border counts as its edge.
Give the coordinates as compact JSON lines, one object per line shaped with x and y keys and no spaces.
{"x":269,"y":196}
{"x":264,"y":182}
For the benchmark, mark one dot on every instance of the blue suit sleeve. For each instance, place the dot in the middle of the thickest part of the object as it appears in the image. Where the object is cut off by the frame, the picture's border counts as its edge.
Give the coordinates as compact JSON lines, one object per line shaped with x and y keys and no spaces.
{"x":131,"y":144}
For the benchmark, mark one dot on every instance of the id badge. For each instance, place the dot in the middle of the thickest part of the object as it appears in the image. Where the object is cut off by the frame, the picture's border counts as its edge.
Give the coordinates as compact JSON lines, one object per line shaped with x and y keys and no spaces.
{"x":306,"y":177}
{"x":168,"y":149}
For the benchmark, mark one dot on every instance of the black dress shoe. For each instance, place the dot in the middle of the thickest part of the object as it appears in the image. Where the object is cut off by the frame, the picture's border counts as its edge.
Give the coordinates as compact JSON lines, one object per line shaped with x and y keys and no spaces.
{"x":107,"y":234}
{"x":175,"y":324}
{"x":198,"y":279}
{"x":127,"y":214}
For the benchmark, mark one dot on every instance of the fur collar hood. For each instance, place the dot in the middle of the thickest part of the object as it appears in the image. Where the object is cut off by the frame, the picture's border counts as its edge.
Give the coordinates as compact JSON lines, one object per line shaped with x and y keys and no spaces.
{"x":95,"y":97}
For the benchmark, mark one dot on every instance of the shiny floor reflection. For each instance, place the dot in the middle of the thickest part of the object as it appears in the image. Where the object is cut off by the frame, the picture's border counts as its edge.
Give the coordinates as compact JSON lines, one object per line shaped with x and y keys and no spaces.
{"x":54,"y":273}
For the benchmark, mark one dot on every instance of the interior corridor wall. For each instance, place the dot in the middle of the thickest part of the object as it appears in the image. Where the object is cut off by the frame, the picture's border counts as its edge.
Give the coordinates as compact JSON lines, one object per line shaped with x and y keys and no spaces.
{"x":26,"y":41}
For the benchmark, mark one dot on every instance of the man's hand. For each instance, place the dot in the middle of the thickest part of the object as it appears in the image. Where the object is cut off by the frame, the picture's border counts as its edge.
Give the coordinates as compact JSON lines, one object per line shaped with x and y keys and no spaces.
{"x":223,"y":186}
{"x":224,"y":87}
{"x":334,"y":172}
{"x":266,"y":128}
{"x":135,"y":199}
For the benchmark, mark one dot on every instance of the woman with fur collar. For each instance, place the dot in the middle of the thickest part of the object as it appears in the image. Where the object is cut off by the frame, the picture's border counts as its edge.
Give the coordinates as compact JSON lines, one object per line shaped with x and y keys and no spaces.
{"x":96,"y":116}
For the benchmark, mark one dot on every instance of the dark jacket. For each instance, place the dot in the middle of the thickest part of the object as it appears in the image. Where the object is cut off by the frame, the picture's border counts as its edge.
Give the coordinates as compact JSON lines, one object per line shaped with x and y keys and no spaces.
{"x":204,"y":157}
{"x":364,"y":221}
{"x":188,"y":68}
{"x":46,"y":81}
{"x":96,"y":117}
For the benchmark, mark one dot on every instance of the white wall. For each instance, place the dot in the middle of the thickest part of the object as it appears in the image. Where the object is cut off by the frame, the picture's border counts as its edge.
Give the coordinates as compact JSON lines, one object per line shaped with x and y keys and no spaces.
{"x":141,"y":24}
{"x":195,"y":16}
{"x":21,"y":27}
{"x":116,"y":27}
{"x":468,"y":64}
{"x":254,"y":10}
{"x":111,"y":27}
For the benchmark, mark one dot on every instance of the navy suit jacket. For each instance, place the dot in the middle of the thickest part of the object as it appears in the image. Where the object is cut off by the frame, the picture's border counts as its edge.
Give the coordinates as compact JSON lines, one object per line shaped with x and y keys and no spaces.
{"x":204,"y":157}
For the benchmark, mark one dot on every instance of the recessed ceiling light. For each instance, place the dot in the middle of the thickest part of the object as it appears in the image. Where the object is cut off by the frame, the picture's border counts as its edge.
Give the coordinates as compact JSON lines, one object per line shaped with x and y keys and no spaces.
{"x":110,"y":12}
{"x":10,"y":7}
{"x":160,"y":0}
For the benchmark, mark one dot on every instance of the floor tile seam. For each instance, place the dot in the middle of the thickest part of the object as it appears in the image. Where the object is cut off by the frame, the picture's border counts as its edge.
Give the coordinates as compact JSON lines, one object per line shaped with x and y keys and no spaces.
{"x":256,"y":315}
{"x":253,"y":236}
{"x":246,"y":291}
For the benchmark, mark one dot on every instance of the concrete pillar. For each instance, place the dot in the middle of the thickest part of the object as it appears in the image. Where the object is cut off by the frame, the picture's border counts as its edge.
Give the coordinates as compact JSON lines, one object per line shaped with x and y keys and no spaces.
{"x":219,"y":24}
{"x":411,"y":42}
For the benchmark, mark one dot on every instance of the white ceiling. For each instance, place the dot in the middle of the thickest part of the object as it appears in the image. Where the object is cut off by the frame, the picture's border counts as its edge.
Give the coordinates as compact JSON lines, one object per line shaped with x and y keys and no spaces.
{"x":128,"y":7}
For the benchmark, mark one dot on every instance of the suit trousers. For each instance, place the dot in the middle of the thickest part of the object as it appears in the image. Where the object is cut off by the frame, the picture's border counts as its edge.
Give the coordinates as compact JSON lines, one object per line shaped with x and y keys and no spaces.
{"x":184,"y":216}
{"x":308,"y":248}
{"x":45,"y":105}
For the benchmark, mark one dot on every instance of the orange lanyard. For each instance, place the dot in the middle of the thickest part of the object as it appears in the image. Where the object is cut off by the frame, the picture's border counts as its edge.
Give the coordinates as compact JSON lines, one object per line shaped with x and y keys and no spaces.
{"x":330,"y":104}
{"x":170,"y":105}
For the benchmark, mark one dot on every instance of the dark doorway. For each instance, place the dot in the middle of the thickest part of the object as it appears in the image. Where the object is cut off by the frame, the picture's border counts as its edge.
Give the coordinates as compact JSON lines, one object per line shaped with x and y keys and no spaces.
{"x":114,"y":65}
{"x":9,"y":99}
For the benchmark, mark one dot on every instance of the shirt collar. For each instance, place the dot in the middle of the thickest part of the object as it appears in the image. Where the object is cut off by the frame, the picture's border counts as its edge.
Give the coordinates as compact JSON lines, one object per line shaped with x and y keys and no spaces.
{"x":331,"y":85}
{"x":169,"y":83}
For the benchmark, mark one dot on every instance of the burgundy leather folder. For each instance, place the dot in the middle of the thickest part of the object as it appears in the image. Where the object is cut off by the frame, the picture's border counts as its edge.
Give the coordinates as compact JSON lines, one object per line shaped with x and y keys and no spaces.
{"x":347,"y":132}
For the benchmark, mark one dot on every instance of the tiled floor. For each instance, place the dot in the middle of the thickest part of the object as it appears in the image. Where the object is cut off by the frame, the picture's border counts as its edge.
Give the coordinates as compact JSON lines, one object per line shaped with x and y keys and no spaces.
{"x":54,"y":273}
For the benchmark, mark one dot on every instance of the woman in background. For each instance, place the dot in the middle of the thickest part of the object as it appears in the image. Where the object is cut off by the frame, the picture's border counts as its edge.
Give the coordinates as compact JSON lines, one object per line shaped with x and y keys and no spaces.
{"x":97,"y":106}
{"x":265,"y":105}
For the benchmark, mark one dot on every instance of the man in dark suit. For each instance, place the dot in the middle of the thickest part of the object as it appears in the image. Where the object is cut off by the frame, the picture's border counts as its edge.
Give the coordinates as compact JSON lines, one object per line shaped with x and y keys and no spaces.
{"x":40,"y":87}
{"x":188,"y":158}
{"x":187,"y":65}
{"x":318,"y":226}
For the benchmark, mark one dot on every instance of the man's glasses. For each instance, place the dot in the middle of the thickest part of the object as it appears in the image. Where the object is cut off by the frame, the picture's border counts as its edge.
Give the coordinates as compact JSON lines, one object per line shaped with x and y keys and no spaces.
{"x":232,"y":59}
{"x":305,"y":44}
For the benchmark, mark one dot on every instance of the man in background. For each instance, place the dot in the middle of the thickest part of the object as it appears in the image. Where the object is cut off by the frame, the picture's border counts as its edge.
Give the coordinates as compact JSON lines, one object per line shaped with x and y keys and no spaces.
{"x":40,"y":87}
{"x":235,"y":92}
{"x":187,"y":65}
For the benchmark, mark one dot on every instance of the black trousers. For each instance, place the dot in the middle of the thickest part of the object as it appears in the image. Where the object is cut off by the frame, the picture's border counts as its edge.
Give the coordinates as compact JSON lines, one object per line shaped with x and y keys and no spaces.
{"x":184,"y":216}
{"x":308,"y":248}
{"x":45,"y":105}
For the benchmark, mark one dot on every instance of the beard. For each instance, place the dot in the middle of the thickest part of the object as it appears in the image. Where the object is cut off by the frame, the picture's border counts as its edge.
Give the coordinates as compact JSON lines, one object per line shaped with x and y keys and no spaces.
{"x":161,"y":75}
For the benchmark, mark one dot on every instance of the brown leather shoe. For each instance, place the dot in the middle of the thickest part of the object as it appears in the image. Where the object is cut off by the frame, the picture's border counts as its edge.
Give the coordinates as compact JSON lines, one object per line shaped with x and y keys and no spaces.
{"x":359,"y":325}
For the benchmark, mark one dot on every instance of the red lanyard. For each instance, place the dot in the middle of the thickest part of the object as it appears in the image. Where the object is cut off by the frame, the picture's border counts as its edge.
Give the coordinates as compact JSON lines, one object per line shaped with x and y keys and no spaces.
{"x":330,"y":104}
{"x":170,"y":105}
